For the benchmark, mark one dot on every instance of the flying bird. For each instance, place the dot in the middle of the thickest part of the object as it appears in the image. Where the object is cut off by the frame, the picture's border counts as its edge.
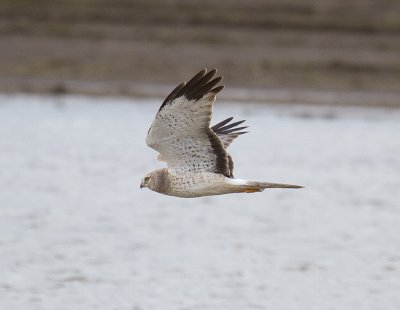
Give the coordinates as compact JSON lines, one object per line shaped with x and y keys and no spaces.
{"x":195,"y":153}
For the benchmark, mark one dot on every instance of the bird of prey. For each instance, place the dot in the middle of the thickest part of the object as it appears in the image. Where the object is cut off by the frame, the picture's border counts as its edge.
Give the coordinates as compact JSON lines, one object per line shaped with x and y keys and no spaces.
{"x":195,"y":153}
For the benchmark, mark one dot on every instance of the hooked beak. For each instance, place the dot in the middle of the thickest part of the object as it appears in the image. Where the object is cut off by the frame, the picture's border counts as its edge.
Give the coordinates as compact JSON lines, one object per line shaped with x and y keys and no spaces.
{"x":141,"y":185}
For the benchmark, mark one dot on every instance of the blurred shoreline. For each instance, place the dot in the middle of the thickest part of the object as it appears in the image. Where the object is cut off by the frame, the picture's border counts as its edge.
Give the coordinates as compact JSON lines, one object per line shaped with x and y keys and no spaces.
{"x":250,"y":94}
{"x":326,"y":52}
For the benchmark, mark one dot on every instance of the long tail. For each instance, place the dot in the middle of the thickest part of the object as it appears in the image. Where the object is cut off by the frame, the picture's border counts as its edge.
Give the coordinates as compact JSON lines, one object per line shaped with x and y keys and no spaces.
{"x":253,"y":186}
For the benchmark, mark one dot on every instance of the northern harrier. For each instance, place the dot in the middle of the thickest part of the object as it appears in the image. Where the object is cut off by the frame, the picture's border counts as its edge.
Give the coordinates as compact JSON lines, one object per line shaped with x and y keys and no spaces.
{"x":198,"y":164}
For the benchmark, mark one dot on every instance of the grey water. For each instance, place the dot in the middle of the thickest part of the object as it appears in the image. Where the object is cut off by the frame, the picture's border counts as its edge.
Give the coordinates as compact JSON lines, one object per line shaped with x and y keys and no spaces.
{"x":76,"y":232}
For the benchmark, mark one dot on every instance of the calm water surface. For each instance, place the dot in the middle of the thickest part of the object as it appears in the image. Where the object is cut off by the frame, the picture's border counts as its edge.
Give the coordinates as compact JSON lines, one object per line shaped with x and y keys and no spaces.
{"x":76,"y":232}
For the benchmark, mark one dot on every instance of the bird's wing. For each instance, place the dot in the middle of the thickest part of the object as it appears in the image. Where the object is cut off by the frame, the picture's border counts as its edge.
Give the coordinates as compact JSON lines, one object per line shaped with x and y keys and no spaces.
{"x":228,"y":132}
{"x":181,"y":130}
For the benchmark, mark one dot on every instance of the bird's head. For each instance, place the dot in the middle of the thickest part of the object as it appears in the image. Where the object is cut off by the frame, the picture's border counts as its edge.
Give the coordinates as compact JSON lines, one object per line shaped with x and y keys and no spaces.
{"x":146,"y":180}
{"x":157,"y":180}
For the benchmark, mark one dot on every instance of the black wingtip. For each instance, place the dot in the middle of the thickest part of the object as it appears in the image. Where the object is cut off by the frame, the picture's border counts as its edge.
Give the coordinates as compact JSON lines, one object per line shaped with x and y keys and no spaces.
{"x":197,"y":87}
{"x":173,"y":94}
{"x":216,"y":90}
{"x":225,"y":128}
{"x":233,"y":125}
{"x":221,"y":124}
{"x":233,"y":130}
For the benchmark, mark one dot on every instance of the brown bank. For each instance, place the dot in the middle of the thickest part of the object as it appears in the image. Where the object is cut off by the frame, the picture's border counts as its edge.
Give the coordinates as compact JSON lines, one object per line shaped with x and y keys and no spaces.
{"x":327,"y":52}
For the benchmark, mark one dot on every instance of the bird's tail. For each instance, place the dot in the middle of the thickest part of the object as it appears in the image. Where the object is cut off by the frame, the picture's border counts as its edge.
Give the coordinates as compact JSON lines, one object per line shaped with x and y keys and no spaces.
{"x":253,"y":186}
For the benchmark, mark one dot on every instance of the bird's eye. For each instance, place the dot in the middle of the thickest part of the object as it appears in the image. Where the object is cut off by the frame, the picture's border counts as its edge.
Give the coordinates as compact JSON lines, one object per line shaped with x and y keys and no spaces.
{"x":146,"y":179}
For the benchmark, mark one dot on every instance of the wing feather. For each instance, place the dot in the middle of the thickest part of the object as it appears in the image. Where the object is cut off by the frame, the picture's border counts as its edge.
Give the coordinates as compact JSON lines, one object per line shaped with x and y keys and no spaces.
{"x":181,"y":130}
{"x":228,"y":132}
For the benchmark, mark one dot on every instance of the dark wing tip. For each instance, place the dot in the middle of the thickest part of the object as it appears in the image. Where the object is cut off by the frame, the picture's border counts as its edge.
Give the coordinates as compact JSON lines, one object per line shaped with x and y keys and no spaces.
{"x":173,"y":94}
{"x":197,"y":87}
{"x":216,"y":90}
{"x":221,"y":124}
{"x":202,"y":71}
{"x":225,"y":128}
{"x":233,"y":130}
{"x":197,"y":90}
